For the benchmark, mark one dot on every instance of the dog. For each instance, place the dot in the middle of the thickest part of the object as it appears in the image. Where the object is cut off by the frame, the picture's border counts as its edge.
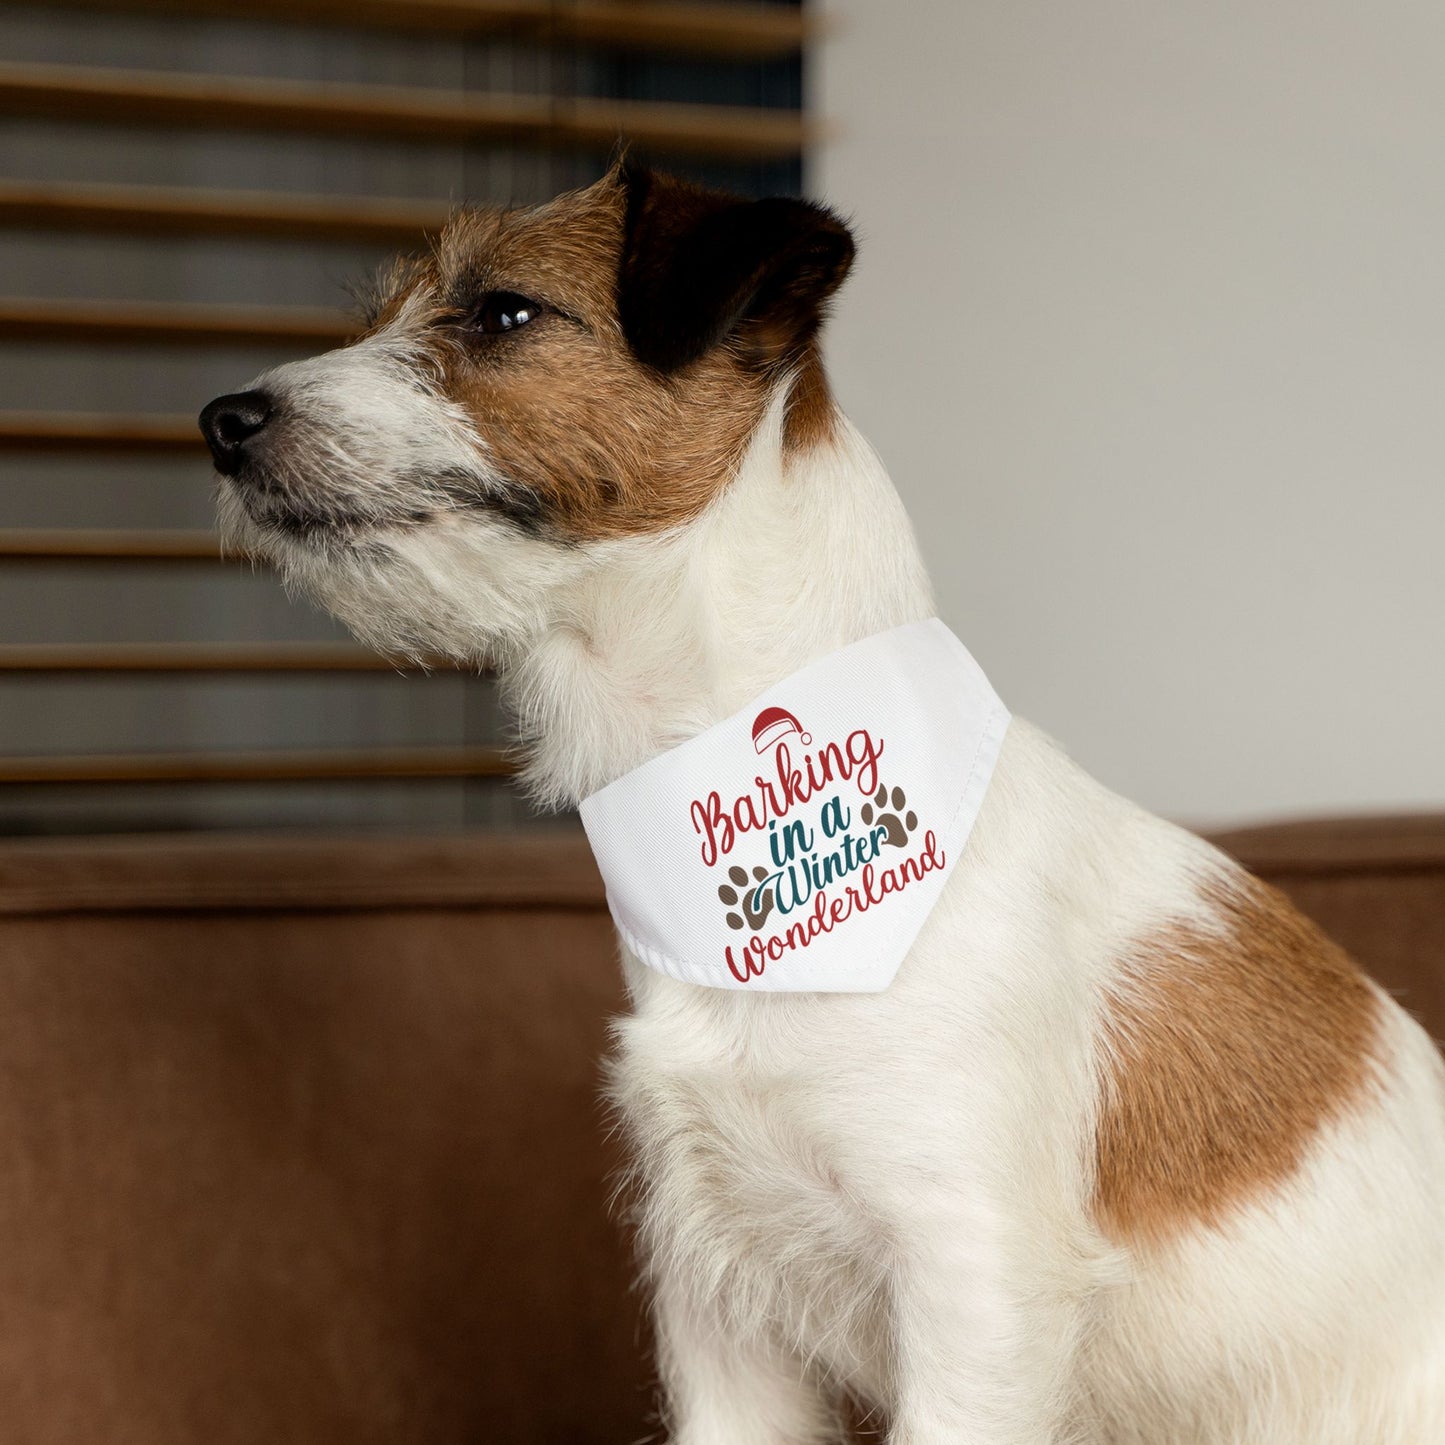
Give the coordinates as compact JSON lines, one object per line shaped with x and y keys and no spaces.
{"x":1127,"y":1152}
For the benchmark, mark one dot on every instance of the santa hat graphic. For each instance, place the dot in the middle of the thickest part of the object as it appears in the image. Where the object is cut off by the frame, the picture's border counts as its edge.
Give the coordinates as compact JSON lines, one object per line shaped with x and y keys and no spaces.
{"x":773,"y":724}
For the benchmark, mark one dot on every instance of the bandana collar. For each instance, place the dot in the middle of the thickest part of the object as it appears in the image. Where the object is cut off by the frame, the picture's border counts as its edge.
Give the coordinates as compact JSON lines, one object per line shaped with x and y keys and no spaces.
{"x":800,"y":845}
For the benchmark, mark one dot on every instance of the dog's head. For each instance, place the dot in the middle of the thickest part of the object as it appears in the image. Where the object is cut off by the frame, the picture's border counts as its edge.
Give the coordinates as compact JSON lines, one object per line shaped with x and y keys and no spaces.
{"x":544,"y":383}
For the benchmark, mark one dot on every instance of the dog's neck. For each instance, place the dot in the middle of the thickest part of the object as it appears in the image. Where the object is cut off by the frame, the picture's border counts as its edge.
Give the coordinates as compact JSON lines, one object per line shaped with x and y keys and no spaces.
{"x":667,"y":635}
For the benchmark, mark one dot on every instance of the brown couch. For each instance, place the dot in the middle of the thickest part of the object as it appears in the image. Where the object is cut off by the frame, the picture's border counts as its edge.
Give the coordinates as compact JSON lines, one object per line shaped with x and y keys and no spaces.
{"x":302,"y":1140}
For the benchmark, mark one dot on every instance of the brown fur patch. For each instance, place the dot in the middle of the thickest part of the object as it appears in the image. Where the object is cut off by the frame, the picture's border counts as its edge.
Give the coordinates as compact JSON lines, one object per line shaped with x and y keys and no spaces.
{"x":1227,"y":1052}
{"x":811,"y":415}
{"x":603,"y":444}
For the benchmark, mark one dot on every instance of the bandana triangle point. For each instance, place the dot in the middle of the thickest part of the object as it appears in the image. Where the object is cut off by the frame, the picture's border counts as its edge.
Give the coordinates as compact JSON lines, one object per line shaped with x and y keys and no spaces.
{"x":814,"y":871}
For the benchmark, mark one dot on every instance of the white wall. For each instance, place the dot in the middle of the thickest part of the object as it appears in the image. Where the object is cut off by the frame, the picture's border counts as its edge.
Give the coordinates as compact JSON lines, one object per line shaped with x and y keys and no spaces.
{"x":1149,"y":324}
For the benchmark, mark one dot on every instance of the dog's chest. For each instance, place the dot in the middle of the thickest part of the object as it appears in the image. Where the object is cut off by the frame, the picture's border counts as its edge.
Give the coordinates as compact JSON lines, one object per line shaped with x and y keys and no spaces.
{"x":748,"y":1183}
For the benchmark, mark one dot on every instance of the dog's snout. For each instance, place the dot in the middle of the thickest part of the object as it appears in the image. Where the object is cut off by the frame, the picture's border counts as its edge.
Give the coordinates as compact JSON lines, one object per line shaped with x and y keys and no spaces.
{"x":229,"y":422}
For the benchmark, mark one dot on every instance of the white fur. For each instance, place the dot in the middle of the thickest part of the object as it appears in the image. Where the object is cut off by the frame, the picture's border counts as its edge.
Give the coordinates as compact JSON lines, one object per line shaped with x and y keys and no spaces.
{"x":889,"y":1194}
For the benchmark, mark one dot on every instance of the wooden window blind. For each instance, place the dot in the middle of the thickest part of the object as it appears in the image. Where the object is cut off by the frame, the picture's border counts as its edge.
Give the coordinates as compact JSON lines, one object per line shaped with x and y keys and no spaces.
{"x":186,"y":186}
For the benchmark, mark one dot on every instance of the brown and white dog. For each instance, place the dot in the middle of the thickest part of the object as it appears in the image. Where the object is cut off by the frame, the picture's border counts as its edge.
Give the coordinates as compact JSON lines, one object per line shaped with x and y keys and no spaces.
{"x":1128,"y":1152}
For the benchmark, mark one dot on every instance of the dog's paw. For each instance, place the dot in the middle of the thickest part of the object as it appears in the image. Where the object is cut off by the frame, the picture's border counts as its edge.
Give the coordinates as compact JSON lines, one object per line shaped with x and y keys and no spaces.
{"x":754,"y":904}
{"x":898,"y":828}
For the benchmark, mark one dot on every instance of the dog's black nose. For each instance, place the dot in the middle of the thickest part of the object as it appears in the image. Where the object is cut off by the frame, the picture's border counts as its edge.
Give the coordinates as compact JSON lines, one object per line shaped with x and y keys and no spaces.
{"x":229,"y":422}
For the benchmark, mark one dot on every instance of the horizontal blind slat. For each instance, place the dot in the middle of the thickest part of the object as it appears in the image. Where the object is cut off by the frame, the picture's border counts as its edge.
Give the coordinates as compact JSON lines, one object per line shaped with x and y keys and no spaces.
{"x":90,"y":544}
{"x":193,"y":657}
{"x":272,"y":766}
{"x":747,"y":31}
{"x":171,"y":323}
{"x":177,"y":211}
{"x":85,"y":431}
{"x":218,"y":102}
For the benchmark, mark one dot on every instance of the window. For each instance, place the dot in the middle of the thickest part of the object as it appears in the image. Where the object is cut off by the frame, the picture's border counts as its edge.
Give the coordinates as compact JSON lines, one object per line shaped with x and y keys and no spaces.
{"x":185,"y":193}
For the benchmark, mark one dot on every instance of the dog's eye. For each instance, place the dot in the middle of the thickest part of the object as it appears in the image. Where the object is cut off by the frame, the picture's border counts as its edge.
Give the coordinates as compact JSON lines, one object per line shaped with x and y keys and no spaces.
{"x":504,"y":311}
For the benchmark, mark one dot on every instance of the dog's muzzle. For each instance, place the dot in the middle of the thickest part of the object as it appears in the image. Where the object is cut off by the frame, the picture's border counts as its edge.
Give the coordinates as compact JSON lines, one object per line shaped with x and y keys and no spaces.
{"x":232,"y":422}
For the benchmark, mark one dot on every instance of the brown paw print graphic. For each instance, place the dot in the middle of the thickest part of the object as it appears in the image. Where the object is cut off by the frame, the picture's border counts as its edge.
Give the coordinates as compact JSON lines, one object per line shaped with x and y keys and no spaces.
{"x":898,"y":827}
{"x":743,"y":895}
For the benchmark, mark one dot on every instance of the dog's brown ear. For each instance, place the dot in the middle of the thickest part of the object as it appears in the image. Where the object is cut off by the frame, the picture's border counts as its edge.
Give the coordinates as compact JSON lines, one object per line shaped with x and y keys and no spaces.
{"x":699,"y":266}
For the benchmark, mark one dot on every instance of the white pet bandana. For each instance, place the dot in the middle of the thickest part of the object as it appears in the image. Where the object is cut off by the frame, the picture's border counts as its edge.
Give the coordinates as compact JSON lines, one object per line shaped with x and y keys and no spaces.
{"x":800,"y":845}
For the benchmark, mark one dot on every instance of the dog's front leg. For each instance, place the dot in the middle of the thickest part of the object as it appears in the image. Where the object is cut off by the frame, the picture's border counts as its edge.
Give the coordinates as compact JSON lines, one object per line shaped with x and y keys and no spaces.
{"x":723,"y":1387}
{"x":985,"y":1338}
